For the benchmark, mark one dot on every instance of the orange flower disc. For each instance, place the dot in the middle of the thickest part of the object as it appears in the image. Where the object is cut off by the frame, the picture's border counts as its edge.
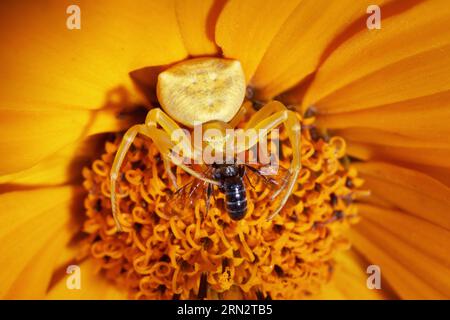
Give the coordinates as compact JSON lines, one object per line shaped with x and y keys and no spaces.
{"x":167,"y":253}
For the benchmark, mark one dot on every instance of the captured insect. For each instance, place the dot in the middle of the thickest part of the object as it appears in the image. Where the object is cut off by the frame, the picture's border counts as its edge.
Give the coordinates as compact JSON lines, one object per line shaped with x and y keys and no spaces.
{"x":209,"y":92}
{"x":232,"y":180}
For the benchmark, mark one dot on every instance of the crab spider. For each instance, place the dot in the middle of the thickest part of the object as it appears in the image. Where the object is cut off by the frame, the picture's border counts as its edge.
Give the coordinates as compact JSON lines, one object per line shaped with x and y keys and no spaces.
{"x":209,"y":91}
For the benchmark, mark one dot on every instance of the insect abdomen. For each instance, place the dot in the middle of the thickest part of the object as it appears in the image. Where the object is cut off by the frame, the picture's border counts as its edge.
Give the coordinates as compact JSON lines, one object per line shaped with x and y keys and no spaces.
{"x":236,"y":199}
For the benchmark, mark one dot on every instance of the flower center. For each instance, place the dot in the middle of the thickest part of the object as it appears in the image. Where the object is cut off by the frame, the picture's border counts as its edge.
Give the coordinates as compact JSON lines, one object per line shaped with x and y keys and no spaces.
{"x":194,"y":250}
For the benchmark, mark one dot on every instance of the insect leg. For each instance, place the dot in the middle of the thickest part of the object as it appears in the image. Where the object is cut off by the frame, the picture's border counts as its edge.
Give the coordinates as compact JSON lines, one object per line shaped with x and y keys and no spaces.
{"x":250,"y":182}
{"x":261,"y":175}
{"x":162,"y":142}
{"x":209,"y":192}
{"x":190,"y":171}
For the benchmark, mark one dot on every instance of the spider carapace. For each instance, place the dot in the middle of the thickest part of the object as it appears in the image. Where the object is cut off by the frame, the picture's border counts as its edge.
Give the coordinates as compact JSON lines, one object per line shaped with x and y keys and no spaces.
{"x":209,"y":92}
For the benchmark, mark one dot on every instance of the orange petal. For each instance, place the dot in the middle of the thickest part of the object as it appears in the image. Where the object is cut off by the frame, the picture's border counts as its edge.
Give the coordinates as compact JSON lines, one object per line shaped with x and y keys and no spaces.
{"x":30,"y":219}
{"x":245,"y":29}
{"x":374,"y":199}
{"x":349,"y":280}
{"x":299,"y":45}
{"x":29,"y":136}
{"x":423,"y":156}
{"x":438,"y":173}
{"x":33,"y":281}
{"x":408,"y":58}
{"x":93,"y":286}
{"x":62,"y":167}
{"x":419,"y":122}
{"x":197,"y":20}
{"x":411,"y":191}
{"x":384,"y":138}
{"x":411,"y":273}
{"x":47,"y":65}
{"x":329,"y":292}
{"x":420,"y":234}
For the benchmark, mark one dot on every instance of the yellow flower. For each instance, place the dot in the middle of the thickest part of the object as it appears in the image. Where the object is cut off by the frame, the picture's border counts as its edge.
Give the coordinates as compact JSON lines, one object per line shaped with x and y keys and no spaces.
{"x":385,"y":92}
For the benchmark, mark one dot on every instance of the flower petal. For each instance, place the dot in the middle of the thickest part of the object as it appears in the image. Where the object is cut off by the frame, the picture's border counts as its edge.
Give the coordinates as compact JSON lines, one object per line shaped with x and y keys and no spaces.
{"x":33,"y":281}
{"x":30,"y":219}
{"x":297,"y":48}
{"x":408,"y":271}
{"x":408,"y":58}
{"x":349,"y":280}
{"x":376,"y":200}
{"x":29,"y":136}
{"x":423,"y":120}
{"x":246,"y":28}
{"x":423,"y":156}
{"x":411,"y":191}
{"x":47,"y":65}
{"x":93,"y":286}
{"x":384,"y":138}
{"x":62,"y":167}
{"x":438,"y":173}
{"x":420,"y":234}
{"x":197,"y":20}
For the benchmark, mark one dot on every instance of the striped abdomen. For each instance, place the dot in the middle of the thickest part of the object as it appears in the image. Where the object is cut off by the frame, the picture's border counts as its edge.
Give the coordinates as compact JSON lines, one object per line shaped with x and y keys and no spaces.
{"x":235,"y":197}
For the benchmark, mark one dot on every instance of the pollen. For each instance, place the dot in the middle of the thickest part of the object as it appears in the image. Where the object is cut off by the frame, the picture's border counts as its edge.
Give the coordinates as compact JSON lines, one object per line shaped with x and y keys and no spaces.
{"x":198,"y":253}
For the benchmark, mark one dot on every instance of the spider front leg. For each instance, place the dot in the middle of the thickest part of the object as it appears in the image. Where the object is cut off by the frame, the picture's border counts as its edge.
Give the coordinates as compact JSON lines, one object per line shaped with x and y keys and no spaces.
{"x":267,"y":118}
{"x":157,"y":117}
{"x":125,"y":145}
{"x":163,"y":143}
{"x":245,"y":110}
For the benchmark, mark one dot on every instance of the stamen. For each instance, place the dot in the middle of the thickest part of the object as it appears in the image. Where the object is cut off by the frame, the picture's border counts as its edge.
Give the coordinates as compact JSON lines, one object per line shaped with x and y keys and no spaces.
{"x":194,"y":253}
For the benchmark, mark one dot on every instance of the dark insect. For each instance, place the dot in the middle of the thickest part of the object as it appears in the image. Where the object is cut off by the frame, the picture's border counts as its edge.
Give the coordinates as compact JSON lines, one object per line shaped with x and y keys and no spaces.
{"x":231,"y":178}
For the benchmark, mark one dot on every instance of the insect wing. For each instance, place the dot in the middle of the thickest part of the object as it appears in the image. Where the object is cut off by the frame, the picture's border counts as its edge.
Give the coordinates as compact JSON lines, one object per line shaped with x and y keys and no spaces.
{"x":273,"y":178}
{"x":186,"y":196}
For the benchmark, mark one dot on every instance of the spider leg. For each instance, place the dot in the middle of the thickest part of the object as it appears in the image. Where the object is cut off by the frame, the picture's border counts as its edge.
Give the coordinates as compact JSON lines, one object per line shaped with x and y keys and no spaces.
{"x":269,"y":180}
{"x":125,"y":145}
{"x":193,"y":173}
{"x":264,"y":112}
{"x":282,"y":187}
{"x":170,"y":174}
{"x":163,"y":143}
{"x":157,"y":117}
{"x":243,"y":111}
{"x":266,"y":119}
